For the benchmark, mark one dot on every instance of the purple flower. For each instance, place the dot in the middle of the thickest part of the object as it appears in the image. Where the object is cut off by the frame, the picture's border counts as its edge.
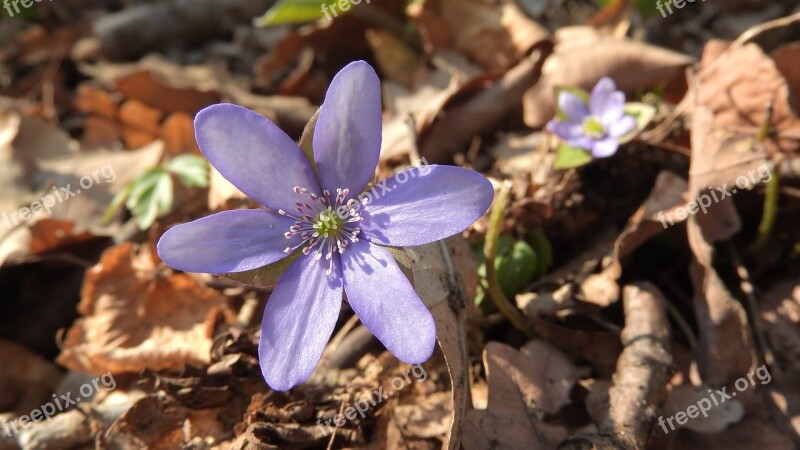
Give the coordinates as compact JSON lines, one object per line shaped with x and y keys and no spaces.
{"x":323,"y":216}
{"x":598,"y":127}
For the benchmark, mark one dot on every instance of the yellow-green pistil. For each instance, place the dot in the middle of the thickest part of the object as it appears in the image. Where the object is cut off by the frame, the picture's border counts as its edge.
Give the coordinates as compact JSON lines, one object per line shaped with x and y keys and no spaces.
{"x":593,"y":128}
{"x":325,"y":225}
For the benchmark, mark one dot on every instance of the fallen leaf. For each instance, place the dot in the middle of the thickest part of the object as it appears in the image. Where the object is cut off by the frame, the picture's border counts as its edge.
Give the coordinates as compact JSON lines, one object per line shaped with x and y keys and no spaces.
{"x":505,"y":33}
{"x":133,"y":318}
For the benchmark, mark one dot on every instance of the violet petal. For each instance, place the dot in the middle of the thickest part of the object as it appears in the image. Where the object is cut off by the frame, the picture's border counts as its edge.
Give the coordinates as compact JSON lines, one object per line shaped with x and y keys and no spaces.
{"x":298,"y":321}
{"x":386,"y":302}
{"x":601,"y":96}
{"x":572,"y":106}
{"x":347,"y":138}
{"x":229,"y":241}
{"x":424,"y":204}
{"x":621,"y":127}
{"x":605,"y":147}
{"x":254,"y":155}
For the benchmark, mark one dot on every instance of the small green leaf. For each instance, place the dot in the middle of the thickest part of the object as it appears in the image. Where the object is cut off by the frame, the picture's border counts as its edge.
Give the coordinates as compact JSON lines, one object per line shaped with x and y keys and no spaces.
{"x":263,"y":276}
{"x":516,"y":269}
{"x":297,"y":11}
{"x":643,"y":113}
{"x":142,"y":184}
{"x":569,"y":157}
{"x":544,"y":251}
{"x":116,"y":202}
{"x":192,"y":170}
{"x":150,"y":196}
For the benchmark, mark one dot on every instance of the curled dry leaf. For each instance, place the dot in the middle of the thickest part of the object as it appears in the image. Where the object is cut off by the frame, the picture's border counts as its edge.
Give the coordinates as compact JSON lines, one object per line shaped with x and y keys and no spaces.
{"x":747,"y":93}
{"x":542,"y":373}
{"x":582,"y":56}
{"x":505,"y":33}
{"x":719,"y":418}
{"x":725,"y":350}
{"x":445,"y":277}
{"x":429,"y":417}
{"x":505,"y":423}
{"x":479,"y":106}
{"x":135,"y":319}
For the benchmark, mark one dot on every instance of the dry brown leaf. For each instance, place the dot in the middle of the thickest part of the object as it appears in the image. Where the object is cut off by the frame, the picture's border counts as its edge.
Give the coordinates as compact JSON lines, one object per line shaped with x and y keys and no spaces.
{"x":136,"y":114}
{"x":48,"y":235}
{"x":725,"y":350}
{"x":785,"y":58}
{"x":504,"y":32}
{"x":100,"y":132}
{"x":445,"y":277}
{"x":582,"y":56}
{"x":396,"y":59}
{"x":165,"y":96}
{"x":478,"y":107}
{"x":719,"y":417}
{"x":505,"y":423}
{"x":429,"y":417}
{"x":542,"y":373}
{"x":133,"y":318}
{"x":91,"y":99}
{"x":177,"y":132}
{"x":744,"y":89}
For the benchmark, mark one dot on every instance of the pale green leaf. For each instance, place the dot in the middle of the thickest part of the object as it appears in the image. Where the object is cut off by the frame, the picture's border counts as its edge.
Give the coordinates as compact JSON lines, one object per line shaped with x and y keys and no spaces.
{"x":569,"y":157}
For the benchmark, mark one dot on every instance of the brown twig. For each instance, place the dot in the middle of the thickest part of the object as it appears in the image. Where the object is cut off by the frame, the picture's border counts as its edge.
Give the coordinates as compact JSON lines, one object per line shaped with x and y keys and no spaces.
{"x":643,"y":370}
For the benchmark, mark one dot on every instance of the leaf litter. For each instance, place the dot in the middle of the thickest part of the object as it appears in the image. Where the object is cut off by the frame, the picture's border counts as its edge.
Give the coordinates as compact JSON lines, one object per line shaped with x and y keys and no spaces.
{"x":649,"y":303}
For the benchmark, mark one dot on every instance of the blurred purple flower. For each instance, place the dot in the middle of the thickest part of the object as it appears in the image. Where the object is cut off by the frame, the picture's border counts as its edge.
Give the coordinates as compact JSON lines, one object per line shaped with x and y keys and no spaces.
{"x":598,"y":127}
{"x":322,"y":216}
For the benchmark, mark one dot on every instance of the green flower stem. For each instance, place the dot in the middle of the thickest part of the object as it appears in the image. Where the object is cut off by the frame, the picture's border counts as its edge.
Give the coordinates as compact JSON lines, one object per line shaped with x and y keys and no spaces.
{"x":490,"y":252}
{"x":771,"y":197}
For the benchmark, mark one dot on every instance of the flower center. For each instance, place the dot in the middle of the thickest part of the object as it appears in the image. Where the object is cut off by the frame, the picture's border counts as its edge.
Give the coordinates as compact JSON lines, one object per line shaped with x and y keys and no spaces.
{"x":593,"y":128}
{"x":325,"y":225}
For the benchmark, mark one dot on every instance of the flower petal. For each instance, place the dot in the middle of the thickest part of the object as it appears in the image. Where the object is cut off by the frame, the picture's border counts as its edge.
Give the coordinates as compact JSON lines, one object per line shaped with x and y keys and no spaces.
{"x":424,"y":204}
{"x":572,"y":106}
{"x":230,"y":241}
{"x":400,"y":320}
{"x":298,"y":322}
{"x":604,"y":148}
{"x":347,"y":138}
{"x":600,"y":99}
{"x":621,"y":127}
{"x":254,"y":154}
{"x":562,"y":129}
{"x":614,"y":108}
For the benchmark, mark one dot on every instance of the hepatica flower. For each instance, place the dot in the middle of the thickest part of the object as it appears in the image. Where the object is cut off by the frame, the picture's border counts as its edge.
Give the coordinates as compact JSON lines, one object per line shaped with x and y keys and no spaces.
{"x":598,"y":126}
{"x":322,"y":215}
